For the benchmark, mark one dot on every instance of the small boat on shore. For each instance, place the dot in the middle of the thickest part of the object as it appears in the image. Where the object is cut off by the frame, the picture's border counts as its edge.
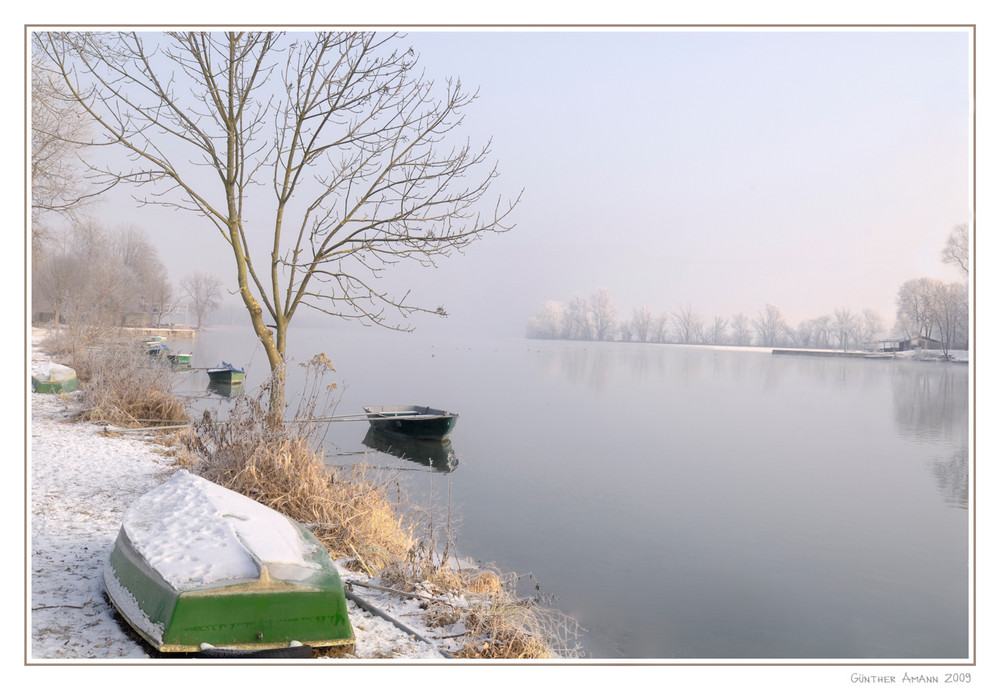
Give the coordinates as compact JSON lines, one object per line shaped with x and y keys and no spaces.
{"x":180,"y":360}
{"x":198,"y":566}
{"x":54,"y":378}
{"x":156,"y":349}
{"x":225,"y":373}
{"x":411,"y":421}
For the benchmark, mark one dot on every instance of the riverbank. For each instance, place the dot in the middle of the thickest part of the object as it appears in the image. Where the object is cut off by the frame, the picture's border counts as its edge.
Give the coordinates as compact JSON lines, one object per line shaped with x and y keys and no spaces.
{"x":954,"y":356}
{"x":81,"y":481}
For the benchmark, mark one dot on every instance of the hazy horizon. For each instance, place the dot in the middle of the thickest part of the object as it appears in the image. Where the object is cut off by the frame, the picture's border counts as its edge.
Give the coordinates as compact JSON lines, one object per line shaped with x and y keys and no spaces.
{"x":718,"y":170}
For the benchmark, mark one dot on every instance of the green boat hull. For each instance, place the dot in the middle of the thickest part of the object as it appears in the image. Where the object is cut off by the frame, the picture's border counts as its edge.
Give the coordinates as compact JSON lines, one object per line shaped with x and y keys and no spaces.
{"x":411,"y":421}
{"x":180,"y":361}
{"x":226,"y":377}
{"x":64,"y":382}
{"x":270,"y":612}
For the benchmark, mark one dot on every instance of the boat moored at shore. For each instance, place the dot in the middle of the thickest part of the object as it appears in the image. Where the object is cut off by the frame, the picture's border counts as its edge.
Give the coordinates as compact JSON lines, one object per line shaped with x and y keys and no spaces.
{"x":411,"y":421}
{"x":197,"y":565}
{"x":54,"y":378}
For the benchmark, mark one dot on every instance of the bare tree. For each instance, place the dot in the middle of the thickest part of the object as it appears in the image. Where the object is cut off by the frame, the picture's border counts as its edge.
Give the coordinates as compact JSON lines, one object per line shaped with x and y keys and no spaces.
{"x":149,"y":280}
{"x":58,"y":187}
{"x":741,"y":329}
{"x":204,"y":290}
{"x":915,"y":307}
{"x":950,"y":309}
{"x":956,"y":250}
{"x":688,"y":326}
{"x":821,"y":331}
{"x":871,"y":326}
{"x":642,"y":323}
{"x":357,"y":148}
{"x":846,"y":324}
{"x":626,"y":331}
{"x":660,"y":327}
{"x":54,"y":279}
{"x":770,"y":326}
{"x":604,"y":312}
{"x":103,"y":286}
{"x":717,"y":334}
{"x":578,"y":321}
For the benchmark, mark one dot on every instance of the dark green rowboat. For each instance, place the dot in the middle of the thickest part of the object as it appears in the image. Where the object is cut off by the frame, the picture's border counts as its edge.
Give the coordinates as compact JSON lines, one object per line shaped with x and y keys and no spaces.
{"x":196,"y":564}
{"x":411,"y":421}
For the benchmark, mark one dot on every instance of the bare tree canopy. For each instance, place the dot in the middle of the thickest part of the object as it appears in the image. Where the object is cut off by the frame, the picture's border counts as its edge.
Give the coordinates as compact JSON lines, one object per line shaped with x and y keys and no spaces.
{"x":204,"y":291}
{"x":57,"y":127}
{"x":604,"y":311}
{"x":321,"y":159}
{"x":956,"y":250}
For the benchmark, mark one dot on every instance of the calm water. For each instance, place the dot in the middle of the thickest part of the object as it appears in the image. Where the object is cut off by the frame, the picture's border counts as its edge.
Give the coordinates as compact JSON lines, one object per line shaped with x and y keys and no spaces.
{"x":685,"y":502}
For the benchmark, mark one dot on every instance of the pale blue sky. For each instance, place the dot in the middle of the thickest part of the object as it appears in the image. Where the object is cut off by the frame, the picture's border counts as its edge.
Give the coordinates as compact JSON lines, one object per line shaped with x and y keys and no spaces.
{"x":717,"y":169}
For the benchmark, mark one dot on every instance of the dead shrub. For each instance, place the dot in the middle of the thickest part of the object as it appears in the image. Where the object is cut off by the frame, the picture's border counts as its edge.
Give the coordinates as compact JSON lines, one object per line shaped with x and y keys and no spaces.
{"x":120,"y":384}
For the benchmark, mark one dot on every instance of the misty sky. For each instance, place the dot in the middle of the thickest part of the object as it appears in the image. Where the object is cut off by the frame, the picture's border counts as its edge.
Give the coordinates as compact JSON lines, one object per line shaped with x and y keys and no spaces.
{"x":716,"y":169}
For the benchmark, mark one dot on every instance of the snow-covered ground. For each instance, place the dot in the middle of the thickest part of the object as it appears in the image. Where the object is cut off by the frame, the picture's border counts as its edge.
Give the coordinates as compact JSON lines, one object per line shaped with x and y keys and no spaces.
{"x":81,"y":483}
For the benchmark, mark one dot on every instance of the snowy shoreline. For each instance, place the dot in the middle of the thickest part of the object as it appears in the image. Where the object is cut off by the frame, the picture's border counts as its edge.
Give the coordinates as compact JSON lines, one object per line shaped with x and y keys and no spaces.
{"x":81,"y":483}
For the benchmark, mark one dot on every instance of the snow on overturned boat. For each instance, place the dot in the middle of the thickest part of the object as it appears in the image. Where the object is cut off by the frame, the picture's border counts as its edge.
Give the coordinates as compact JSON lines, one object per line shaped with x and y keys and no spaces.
{"x":197,"y":564}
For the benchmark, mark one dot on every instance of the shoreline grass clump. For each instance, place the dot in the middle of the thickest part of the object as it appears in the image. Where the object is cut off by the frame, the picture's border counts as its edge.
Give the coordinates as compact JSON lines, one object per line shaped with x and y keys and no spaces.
{"x":120,"y":384}
{"x":498,"y":623}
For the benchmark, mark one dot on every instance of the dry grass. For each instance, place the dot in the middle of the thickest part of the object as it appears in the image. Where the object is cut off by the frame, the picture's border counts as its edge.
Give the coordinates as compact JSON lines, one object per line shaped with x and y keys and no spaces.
{"x":282,"y":468}
{"x":499,"y":624}
{"x":119,"y":383}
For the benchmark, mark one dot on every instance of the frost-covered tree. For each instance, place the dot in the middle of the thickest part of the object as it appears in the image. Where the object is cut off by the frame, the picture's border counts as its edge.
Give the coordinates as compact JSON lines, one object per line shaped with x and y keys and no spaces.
{"x":642,"y":323}
{"x":741,"y":329}
{"x":578,"y":319}
{"x":717,"y":331}
{"x":550,"y":322}
{"x":603,"y":312}
{"x":688,"y":326}
{"x":956,"y":250}
{"x":770,"y":326}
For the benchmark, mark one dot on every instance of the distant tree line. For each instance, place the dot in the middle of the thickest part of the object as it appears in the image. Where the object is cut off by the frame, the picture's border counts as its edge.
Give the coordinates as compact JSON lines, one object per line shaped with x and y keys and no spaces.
{"x":90,"y":274}
{"x":926,"y":308}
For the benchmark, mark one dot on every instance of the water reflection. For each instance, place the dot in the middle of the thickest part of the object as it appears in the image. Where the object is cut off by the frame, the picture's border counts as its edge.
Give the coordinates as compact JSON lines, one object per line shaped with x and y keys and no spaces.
{"x":225,"y":389}
{"x":436,"y":454}
{"x":931,"y":401}
{"x":951,"y":473}
{"x":927,"y":401}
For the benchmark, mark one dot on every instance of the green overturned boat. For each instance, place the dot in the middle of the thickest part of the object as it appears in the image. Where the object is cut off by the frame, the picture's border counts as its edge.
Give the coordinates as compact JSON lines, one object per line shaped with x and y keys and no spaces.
{"x":197,"y":566}
{"x":53,"y":378}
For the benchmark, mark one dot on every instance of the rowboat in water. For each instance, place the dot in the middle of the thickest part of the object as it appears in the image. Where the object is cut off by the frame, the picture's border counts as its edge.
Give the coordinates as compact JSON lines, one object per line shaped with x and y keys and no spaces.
{"x":198,"y":566}
{"x":225,"y":373}
{"x":411,"y":421}
{"x":53,"y":378}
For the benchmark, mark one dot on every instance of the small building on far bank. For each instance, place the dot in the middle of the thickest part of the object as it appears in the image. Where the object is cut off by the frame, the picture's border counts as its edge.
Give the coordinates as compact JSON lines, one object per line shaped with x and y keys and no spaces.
{"x":907,"y":344}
